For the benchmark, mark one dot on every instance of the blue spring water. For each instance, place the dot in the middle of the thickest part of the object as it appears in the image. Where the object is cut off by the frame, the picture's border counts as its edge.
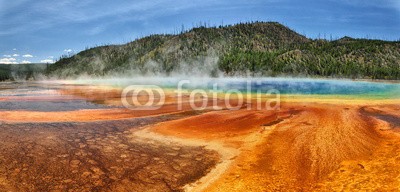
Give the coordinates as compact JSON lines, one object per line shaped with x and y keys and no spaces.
{"x":283,"y":85}
{"x":322,"y":87}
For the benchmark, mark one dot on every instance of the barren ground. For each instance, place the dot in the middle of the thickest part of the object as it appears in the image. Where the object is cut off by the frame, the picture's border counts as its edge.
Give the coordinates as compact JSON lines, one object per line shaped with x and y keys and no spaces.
{"x":79,"y":138}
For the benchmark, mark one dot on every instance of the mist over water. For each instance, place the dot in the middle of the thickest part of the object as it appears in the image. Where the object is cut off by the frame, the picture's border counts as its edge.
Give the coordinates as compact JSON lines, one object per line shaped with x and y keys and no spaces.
{"x":203,"y":72}
{"x":301,"y":86}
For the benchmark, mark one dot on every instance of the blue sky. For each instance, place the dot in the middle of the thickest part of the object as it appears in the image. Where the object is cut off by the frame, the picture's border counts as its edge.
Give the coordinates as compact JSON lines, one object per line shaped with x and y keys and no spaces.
{"x":43,"y":30}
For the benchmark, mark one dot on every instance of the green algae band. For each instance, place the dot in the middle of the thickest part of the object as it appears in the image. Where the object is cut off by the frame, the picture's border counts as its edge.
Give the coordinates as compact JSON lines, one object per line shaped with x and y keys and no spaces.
{"x":291,"y":86}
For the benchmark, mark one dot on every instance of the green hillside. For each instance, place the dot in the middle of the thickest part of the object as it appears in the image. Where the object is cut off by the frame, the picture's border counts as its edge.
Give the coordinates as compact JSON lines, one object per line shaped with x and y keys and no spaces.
{"x":4,"y":72}
{"x":21,"y":71}
{"x":257,"y":49}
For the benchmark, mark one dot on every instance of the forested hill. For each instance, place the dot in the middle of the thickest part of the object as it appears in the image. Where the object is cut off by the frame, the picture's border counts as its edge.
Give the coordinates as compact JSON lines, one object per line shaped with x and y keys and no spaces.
{"x":257,"y":49}
{"x":21,"y":72}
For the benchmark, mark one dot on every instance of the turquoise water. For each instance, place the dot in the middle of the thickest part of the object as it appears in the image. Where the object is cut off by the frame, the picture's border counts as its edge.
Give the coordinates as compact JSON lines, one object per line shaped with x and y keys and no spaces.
{"x":283,"y":85}
{"x":325,"y":87}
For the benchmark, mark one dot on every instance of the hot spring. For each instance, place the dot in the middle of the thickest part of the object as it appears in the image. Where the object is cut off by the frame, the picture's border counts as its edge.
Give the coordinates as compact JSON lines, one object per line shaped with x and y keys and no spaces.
{"x":285,"y":86}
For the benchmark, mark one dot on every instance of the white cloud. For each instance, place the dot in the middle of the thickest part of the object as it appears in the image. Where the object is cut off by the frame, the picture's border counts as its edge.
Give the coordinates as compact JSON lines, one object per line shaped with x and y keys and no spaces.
{"x":27,"y":56}
{"x":15,"y":55}
{"x":25,"y":62}
{"x":8,"y":61}
{"x":68,"y":50}
{"x":14,"y":49}
{"x":47,"y":61}
{"x":6,"y":55}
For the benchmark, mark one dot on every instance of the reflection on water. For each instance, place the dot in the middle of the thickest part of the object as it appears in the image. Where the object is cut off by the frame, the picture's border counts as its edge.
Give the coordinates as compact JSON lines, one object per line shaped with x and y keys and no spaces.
{"x":47,"y":106}
{"x":41,"y":97}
